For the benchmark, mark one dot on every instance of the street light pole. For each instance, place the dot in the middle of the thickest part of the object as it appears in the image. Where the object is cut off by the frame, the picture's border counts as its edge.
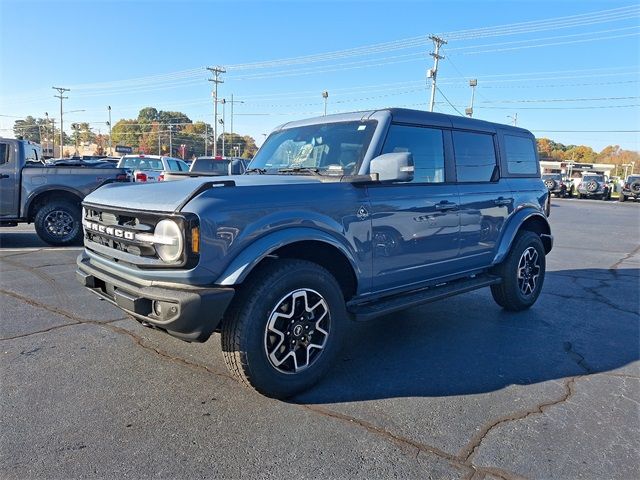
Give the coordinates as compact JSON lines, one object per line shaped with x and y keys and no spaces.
{"x":224,"y":102}
{"x":170,"y":141}
{"x":472,"y":83}
{"x":325,"y":95}
{"x":110,"y":144}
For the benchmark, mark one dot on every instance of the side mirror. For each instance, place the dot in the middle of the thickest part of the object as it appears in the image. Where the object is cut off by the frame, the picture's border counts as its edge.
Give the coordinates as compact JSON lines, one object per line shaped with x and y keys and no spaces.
{"x":236,"y":167}
{"x":393,"y":167}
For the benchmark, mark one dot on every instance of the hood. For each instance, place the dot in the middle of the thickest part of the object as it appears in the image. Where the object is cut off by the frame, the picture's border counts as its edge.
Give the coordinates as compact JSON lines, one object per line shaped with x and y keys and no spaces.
{"x":168,"y":196}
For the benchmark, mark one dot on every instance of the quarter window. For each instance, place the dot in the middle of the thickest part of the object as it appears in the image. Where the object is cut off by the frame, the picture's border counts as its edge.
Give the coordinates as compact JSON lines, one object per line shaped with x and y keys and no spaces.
{"x":426,"y":146}
{"x":475,"y":156}
{"x":521,"y":155}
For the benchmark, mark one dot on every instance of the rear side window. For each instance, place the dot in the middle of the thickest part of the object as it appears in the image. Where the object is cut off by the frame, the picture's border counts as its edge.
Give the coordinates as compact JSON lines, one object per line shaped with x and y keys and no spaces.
{"x":173,"y":165}
{"x":521,"y":155}
{"x":426,"y":146}
{"x":4,"y":153}
{"x":475,"y":156}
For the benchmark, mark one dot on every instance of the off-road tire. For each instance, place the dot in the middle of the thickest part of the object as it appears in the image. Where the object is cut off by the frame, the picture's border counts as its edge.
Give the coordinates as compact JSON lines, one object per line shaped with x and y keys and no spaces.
{"x":508,"y":293}
{"x":46,"y":230}
{"x":244,"y":326}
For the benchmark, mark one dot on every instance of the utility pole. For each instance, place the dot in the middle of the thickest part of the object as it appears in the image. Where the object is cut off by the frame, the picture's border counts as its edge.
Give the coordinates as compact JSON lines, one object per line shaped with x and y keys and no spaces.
{"x":170,"y":141}
{"x":473,"y":83}
{"x":110,"y":144}
{"x":514,"y":118}
{"x":75,"y":128}
{"x":61,"y":97}
{"x":325,"y":95}
{"x":159,"y":150}
{"x":206,"y":132}
{"x":433,"y":72}
{"x":216,"y":71}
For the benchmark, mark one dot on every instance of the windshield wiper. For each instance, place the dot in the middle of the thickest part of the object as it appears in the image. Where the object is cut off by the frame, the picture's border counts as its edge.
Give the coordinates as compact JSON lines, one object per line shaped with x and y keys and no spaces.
{"x":260,"y":171}
{"x":312,"y":170}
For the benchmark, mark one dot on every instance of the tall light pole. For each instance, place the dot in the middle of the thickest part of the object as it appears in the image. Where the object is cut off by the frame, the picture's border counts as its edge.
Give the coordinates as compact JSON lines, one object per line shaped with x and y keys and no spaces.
{"x":433,"y":72}
{"x":170,"y":141}
{"x":75,"y":128}
{"x":46,"y":122}
{"x":472,"y":83}
{"x":223,"y":102}
{"x":61,"y":96}
{"x":514,"y":118}
{"x":232,"y":102}
{"x":325,"y":95}
{"x":110,"y":144}
{"x":216,"y":80}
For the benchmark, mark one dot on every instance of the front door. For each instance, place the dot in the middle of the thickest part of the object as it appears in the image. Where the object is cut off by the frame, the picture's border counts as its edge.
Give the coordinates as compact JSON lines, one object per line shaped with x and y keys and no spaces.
{"x":415,"y":225}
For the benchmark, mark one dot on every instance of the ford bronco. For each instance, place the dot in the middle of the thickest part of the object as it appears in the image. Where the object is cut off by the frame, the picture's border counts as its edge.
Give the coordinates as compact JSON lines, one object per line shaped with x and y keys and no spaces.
{"x":338,"y":218}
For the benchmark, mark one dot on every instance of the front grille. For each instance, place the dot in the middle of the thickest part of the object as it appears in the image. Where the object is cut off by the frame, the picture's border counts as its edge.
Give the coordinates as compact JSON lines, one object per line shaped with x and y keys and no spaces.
{"x":111,"y":234}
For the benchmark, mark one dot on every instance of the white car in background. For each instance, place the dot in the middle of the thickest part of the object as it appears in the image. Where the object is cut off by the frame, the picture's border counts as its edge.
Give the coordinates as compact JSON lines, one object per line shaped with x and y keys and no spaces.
{"x":151,"y":168}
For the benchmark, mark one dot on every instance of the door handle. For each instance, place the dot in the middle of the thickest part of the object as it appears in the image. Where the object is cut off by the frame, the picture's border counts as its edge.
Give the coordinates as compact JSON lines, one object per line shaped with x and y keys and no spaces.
{"x":446,"y":206}
{"x":4,"y":176}
{"x":503,"y":201}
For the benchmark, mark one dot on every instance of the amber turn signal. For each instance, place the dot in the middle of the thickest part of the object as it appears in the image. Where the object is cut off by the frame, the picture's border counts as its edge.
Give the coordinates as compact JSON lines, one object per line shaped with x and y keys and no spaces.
{"x":195,"y":240}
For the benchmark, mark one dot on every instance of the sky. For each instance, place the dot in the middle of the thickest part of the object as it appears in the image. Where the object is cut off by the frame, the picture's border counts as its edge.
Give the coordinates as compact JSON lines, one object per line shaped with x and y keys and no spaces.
{"x":569,"y":70}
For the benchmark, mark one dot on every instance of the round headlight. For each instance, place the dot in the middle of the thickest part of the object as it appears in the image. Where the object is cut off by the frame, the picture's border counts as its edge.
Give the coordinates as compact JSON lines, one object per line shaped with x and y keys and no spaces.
{"x":170,"y":244}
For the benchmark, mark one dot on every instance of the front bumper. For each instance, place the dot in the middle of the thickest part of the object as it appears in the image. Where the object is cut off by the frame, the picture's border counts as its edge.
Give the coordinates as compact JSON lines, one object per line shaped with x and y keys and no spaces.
{"x":188,"y":313}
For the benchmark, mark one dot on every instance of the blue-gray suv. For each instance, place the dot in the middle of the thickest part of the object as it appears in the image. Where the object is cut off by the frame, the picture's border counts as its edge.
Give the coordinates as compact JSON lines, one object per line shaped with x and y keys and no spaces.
{"x":338,"y":218}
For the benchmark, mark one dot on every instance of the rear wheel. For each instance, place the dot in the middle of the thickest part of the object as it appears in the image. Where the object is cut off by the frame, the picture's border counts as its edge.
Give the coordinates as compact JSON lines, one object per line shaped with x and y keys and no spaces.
{"x":58,"y":223}
{"x":284,"y":328}
{"x":522,"y":273}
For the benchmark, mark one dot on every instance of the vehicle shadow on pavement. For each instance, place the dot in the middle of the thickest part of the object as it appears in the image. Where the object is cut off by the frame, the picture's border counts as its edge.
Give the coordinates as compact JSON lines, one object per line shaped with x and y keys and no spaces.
{"x":19,"y":239}
{"x":585,"y":322}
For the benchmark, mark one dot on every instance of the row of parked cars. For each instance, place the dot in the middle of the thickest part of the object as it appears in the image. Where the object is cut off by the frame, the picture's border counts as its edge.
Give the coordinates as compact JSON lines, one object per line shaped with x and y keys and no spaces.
{"x":48,"y":193}
{"x":591,"y":185}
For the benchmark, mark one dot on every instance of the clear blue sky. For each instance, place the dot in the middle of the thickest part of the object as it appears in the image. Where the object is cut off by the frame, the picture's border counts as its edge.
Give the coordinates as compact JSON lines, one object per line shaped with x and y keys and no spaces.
{"x":570,"y":68}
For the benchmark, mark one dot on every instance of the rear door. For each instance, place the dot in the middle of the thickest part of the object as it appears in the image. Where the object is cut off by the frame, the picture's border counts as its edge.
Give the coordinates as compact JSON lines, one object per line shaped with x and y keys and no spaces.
{"x":9,"y":180}
{"x":486,"y":200}
{"x":415,"y":225}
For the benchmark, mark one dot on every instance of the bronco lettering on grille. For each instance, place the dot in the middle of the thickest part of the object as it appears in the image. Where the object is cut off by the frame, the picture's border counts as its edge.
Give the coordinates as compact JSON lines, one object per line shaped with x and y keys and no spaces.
{"x":111,"y":231}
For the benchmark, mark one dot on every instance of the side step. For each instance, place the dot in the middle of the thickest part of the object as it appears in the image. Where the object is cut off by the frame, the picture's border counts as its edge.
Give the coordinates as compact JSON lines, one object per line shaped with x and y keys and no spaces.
{"x":371,"y":310}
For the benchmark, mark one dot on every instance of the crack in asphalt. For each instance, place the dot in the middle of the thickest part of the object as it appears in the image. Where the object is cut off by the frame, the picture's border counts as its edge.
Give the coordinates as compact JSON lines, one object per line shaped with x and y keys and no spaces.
{"x":77,"y":320}
{"x":614,"y":268}
{"x":467,"y":453}
{"x":41,"y":275}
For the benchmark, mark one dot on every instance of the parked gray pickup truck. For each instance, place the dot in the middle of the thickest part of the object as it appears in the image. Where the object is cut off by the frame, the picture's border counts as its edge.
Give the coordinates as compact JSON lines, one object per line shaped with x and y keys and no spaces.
{"x":338,"y":218}
{"x":45,"y":195}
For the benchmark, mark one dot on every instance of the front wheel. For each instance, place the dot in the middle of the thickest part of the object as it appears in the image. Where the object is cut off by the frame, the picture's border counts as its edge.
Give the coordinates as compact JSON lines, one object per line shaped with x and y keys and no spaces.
{"x":58,"y":223}
{"x":522,"y":273}
{"x":283,"y":330}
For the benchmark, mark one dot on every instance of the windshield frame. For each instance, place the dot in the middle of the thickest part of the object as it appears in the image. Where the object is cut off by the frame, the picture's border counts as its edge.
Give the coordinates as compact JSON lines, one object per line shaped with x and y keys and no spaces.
{"x":372,"y":125}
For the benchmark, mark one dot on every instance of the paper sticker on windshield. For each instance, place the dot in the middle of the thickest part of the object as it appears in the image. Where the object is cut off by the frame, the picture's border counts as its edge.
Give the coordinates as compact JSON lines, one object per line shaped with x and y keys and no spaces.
{"x":361,"y":127}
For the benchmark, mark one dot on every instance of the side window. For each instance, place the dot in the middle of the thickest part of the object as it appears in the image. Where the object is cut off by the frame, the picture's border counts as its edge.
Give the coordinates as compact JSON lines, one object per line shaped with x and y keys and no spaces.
{"x":475,"y":156}
{"x":4,"y":153}
{"x":426,"y":146}
{"x":183,"y":167}
{"x":521,"y":155}
{"x":30,"y":154}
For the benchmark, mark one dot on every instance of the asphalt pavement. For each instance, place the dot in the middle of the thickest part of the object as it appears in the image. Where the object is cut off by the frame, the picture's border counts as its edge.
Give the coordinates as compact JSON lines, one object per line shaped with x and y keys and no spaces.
{"x":454,"y":389}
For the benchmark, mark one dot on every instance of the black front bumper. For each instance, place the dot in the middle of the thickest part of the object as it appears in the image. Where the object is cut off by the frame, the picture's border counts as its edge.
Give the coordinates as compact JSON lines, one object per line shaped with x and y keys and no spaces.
{"x":189,"y":313}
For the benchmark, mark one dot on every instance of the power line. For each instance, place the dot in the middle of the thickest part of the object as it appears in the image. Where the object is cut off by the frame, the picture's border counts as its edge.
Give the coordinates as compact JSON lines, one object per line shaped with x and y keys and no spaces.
{"x":451,"y":104}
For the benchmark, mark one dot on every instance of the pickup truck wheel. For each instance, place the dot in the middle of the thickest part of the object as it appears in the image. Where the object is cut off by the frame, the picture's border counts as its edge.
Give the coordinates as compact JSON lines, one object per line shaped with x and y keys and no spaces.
{"x":284,"y":327}
{"x":522,"y":273}
{"x":58,"y":223}
{"x":622,"y":197}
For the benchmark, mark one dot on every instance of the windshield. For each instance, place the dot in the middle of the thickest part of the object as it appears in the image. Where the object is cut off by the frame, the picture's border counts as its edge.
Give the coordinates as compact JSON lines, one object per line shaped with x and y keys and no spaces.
{"x":142,"y":163}
{"x":632,"y":179}
{"x":330,"y":148}
{"x":597,"y":178}
{"x":554,"y":176}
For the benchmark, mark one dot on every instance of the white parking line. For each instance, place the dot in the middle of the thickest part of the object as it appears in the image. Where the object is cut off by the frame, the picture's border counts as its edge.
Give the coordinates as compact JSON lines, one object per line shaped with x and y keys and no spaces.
{"x":37,"y":249}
